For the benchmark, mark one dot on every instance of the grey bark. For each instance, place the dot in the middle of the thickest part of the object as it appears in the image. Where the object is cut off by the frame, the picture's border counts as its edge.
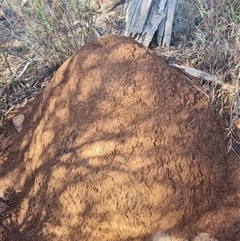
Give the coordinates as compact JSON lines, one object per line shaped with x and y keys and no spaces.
{"x":146,"y":18}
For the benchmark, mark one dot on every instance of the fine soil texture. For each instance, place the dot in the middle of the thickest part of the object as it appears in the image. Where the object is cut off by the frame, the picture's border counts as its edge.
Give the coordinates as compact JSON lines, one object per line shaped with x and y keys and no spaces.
{"x":119,"y":146}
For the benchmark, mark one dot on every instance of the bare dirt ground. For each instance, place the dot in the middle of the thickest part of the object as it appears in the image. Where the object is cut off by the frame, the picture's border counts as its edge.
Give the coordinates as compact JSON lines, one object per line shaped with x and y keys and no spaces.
{"x":119,"y":146}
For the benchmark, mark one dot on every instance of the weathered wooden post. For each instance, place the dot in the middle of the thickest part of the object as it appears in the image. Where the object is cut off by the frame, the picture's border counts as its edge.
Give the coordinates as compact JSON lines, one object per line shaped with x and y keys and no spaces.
{"x":146,"y":19}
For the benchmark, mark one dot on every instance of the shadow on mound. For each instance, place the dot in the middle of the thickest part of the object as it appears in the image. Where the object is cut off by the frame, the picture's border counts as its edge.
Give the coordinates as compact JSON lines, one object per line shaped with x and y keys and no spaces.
{"x":119,"y":147}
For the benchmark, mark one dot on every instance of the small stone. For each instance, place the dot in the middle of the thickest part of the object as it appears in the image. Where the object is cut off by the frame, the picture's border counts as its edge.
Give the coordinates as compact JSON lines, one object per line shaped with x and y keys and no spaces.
{"x":18,"y":122}
{"x":204,"y":237}
{"x":162,"y":237}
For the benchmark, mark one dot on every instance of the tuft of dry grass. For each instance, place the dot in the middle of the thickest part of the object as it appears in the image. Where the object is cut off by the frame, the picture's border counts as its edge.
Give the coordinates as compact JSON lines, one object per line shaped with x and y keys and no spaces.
{"x":56,"y":28}
{"x":217,"y":44}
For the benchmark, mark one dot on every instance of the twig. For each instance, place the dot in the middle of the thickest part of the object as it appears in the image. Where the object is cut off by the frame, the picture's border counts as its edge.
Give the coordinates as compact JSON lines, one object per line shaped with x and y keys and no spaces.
{"x":203,"y":75}
{"x":25,"y":67}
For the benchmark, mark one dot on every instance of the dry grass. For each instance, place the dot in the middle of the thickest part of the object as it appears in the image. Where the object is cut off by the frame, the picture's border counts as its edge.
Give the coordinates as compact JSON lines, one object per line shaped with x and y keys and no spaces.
{"x":56,"y":28}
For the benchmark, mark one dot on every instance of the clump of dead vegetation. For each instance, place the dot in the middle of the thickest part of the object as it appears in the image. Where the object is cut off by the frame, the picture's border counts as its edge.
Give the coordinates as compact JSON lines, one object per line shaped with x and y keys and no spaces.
{"x":217,"y":42}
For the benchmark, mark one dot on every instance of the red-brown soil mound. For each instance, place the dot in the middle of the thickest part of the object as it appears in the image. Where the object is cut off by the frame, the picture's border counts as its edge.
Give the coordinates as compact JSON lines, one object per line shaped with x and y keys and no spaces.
{"x":120,"y":146}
